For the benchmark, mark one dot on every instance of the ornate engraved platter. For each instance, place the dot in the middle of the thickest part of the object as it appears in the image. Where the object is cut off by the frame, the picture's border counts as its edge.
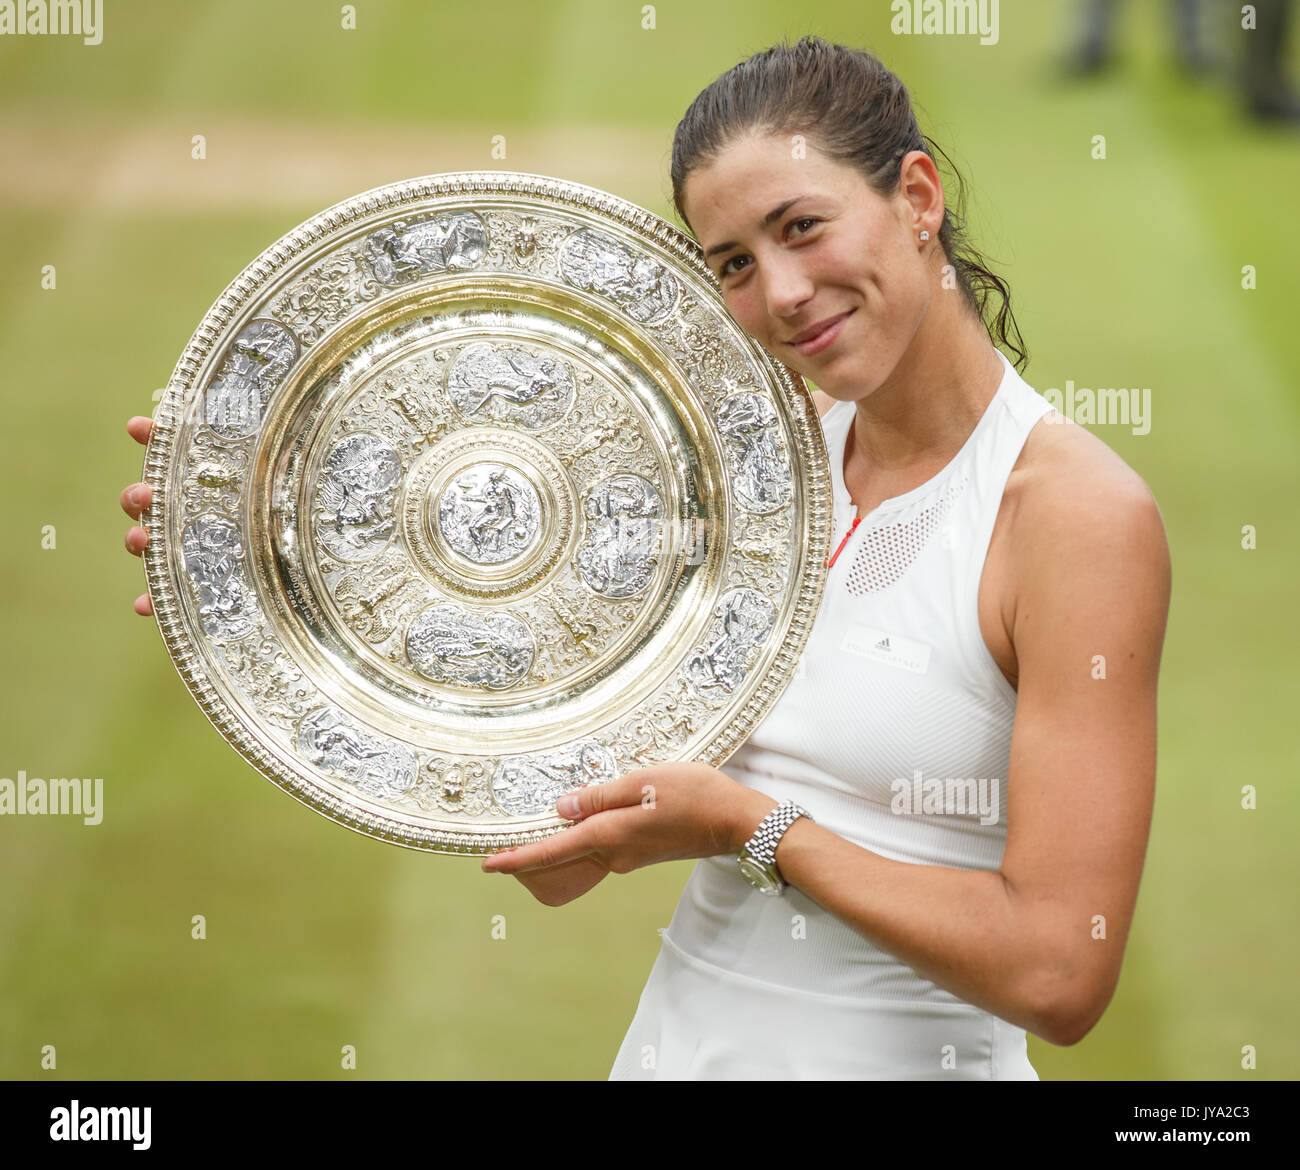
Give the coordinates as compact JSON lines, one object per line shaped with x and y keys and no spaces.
{"x":469,"y":491}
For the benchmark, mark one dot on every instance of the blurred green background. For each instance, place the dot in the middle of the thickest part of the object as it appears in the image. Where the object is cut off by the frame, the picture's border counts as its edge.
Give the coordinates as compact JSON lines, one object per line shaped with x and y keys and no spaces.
{"x":1124,"y":272}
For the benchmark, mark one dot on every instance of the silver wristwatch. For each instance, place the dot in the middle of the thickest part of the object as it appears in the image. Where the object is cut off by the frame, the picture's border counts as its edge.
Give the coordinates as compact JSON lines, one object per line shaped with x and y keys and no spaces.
{"x":758,"y":857}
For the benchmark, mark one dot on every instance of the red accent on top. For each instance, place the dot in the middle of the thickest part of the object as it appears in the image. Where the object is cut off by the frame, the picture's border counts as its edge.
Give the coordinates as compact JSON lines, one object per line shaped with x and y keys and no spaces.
{"x":845,"y":541}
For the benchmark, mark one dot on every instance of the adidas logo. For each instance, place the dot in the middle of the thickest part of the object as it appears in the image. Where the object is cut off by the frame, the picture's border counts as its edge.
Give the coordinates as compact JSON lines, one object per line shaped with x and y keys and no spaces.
{"x":895,"y":651}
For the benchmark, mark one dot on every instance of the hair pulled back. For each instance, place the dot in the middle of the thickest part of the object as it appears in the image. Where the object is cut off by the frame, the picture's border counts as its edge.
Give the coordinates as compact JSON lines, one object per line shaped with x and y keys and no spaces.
{"x":848,"y":104}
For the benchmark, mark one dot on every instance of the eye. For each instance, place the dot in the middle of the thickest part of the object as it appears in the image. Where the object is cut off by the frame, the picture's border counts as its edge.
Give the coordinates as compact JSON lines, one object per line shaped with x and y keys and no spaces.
{"x":726,"y":269}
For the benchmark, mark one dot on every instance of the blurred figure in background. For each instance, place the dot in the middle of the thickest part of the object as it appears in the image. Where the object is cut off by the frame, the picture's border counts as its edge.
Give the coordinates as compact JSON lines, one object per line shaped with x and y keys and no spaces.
{"x":1260,"y":69}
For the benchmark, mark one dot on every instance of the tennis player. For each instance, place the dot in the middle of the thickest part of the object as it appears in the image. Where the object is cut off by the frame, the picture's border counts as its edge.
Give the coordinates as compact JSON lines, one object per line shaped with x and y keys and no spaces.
{"x":932,"y":845}
{"x":952,"y":799}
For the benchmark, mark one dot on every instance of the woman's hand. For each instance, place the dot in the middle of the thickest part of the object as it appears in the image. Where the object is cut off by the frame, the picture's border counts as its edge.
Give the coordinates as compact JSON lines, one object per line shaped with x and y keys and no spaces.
{"x":669,"y":812}
{"x":555,"y":885}
{"x":135,"y":498}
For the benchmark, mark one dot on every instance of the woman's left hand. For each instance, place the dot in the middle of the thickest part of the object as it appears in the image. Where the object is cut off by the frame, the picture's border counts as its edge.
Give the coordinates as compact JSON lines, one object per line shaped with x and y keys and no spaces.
{"x":668,"y":812}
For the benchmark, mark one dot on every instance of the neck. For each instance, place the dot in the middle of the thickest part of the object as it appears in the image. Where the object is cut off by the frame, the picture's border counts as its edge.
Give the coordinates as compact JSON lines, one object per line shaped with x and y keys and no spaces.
{"x":927,"y":407}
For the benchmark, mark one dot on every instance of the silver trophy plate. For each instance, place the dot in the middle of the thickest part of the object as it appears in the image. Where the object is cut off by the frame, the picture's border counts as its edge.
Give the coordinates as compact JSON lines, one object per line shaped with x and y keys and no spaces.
{"x":468,"y":492}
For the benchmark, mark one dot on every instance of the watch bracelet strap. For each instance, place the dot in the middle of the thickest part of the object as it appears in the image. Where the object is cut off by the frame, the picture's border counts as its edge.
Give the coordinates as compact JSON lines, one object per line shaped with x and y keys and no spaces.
{"x":762,"y":845}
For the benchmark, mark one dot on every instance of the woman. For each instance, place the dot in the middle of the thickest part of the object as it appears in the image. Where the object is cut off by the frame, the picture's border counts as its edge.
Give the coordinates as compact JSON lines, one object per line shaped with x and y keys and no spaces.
{"x":966,"y":757}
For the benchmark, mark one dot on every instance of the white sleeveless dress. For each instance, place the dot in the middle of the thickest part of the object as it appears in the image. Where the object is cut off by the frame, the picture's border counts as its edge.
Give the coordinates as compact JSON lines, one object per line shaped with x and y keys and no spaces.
{"x":895,"y":688}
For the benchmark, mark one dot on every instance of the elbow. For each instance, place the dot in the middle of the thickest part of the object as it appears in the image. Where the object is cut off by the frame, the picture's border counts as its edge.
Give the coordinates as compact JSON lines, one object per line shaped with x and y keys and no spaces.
{"x":1065,"y":1027}
{"x":1067,"y":976}
{"x":1069,"y":1016}
{"x":1064,"y":994}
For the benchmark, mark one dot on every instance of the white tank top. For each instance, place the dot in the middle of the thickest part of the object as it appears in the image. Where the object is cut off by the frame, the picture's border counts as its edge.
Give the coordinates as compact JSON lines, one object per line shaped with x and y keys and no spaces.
{"x":895,"y":689}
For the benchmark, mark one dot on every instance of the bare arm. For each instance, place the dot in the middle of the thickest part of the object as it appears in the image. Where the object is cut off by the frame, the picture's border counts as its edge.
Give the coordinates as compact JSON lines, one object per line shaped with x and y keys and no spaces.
{"x":1026,"y":942}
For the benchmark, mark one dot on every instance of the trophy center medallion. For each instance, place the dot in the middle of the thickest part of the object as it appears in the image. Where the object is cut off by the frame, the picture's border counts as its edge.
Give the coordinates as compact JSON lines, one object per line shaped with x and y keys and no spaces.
{"x":490,"y":518}
{"x":489,"y":514}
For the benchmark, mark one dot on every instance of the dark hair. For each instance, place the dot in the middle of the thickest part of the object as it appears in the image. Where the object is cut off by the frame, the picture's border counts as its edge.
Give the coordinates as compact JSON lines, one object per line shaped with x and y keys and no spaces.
{"x":856,"y":111}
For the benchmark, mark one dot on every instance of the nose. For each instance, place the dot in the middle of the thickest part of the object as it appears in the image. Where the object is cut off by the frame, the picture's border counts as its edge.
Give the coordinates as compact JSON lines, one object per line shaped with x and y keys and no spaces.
{"x":786,"y":287}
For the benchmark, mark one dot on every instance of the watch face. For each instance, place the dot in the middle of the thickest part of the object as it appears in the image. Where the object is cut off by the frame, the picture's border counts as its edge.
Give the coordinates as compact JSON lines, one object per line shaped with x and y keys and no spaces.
{"x":759,"y":876}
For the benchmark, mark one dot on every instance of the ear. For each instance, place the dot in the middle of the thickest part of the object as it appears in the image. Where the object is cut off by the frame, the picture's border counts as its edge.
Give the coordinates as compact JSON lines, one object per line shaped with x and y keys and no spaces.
{"x":920,"y":185}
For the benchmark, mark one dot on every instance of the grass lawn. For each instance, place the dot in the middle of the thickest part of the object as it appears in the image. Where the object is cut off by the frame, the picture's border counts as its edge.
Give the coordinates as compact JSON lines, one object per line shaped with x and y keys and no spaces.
{"x":1125,"y":271}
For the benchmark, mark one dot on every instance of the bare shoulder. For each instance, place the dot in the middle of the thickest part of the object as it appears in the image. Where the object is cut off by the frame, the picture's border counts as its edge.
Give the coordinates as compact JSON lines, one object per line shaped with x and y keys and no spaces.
{"x":1073,"y":501}
{"x":1066,"y":472}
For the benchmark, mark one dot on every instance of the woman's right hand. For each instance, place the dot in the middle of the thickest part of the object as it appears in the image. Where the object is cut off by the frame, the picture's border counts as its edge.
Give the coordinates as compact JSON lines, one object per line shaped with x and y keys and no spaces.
{"x":135,"y":498}
{"x":555,"y":885}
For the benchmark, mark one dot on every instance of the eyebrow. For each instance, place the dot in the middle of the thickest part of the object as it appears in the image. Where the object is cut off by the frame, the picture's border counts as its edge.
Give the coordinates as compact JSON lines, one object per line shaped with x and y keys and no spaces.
{"x":772,"y":215}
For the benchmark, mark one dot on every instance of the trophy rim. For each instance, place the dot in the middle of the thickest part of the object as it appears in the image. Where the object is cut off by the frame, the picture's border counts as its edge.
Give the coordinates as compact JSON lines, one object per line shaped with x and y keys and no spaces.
{"x":243,"y":292}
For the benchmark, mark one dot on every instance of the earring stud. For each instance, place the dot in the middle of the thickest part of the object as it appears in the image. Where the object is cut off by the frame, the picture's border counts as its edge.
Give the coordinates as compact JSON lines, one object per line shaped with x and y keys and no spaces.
{"x":924,"y":236}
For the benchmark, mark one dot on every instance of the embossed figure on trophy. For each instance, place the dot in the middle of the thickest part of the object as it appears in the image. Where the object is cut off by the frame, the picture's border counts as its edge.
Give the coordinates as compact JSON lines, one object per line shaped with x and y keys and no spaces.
{"x":521,"y":386}
{"x":340,"y":743}
{"x":358,"y":494}
{"x":213,"y":475}
{"x":448,"y":240}
{"x":489,"y":513}
{"x":526,"y":240}
{"x":453,"y":784}
{"x":629,"y":280}
{"x":608,"y":559}
{"x":419,"y":411}
{"x":618,"y":559}
{"x":506,"y":383}
{"x":366,"y":487}
{"x":591,"y":440}
{"x":588,"y":765}
{"x":658,"y":736}
{"x":647,"y":282}
{"x":579,"y":632}
{"x":282,"y":687}
{"x":629,"y":438}
{"x":646,"y":291}
{"x":720,"y":656}
{"x":263,"y":351}
{"x":274,"y":681}
{"x":390,"y":583}
{"x":400,"y":250}
{"x":525,"y":785}
{"x":591,"y":764}
{"x":614,"y":424}
{"x":626,"y":496}
{"x":213,"y":484}
{"x":222,"y":587}
{"x":233,"y":406}
{"x":747,"y":619}
{"x":466,"y":646}
{"x":330,"y":742}
{"x":450,"y":645}
{"x":405,"y":249}
{"x":497,"y":518}
{"x":258,"y":357}
{"x":325,"y":294}
{"x":212,"y":559}
{"x":363,"y":599}
{"x":761,"y":479}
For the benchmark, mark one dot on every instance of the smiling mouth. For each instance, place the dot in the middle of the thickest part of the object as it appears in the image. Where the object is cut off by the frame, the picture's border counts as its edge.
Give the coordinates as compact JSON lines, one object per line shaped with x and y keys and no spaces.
{"x":834,"y":321}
